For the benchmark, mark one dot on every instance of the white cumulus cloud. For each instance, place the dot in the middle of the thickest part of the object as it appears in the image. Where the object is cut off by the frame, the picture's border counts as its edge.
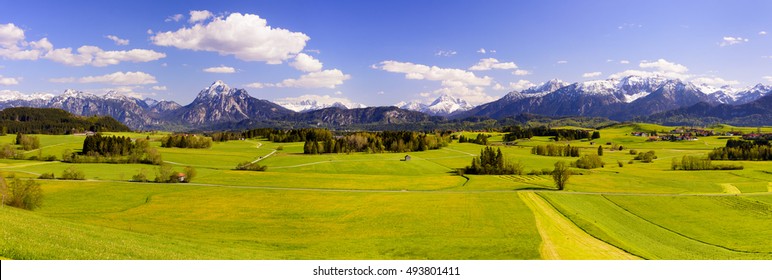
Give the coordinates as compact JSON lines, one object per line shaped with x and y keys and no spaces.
{"x":8,"y":81}
{"x":448,"y":76}
{"x":521,"y":85}
{"x":117,"y":78}
{"x":762,"y":33}
{"x":728,"y":41}
{"x":245,"y":36}
{"x":768,"y":78}
{"x":13,"y":46}
{"x":220,"y":69}
{"x":492,"y":63}
{"x":591,"y":74}
{"x":306,"y":63}
{"x":118,"y":40}
{"x":196,"y":16}
{"x":624,"y":62}
{"x":322,"y":79}
{"x":660,"y":67}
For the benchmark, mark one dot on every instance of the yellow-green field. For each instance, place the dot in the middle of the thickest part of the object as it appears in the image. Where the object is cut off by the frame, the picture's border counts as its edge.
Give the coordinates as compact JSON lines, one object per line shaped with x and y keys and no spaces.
{"x":377,"y":206}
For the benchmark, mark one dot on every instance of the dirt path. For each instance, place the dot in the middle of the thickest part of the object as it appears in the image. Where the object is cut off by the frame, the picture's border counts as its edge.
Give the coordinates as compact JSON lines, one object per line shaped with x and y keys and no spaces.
{"x":562,"y":239}
{"x":729,"y":188}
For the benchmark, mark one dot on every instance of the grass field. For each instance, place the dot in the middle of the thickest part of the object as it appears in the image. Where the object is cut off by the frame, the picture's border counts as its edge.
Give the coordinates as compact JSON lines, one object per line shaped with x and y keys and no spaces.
{"x":378,"y":206}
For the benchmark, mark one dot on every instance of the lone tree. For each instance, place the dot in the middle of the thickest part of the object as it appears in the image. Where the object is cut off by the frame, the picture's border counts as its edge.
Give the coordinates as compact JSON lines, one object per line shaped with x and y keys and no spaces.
{"x":600,"y":150}
{"x":560,"y":174}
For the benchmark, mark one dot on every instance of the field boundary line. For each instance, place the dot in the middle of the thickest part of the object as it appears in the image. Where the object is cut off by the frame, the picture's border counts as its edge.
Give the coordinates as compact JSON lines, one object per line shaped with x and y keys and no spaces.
{"x":681,"y":234}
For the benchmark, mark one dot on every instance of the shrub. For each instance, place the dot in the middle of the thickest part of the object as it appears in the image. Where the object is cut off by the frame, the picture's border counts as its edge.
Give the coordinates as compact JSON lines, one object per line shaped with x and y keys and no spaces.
{"x":633,"y":152}
{"x":46,"y":176}
{"x":190,"y":173}
{"x":141,"y":176}
{"x":589,"y":162}
{"x":646,"y":157}
{"x":280,"y":148}
{"x":72,"y":173}
{"x":250,"y":166}
{"x":619,"y":162}
{"x":24,"y":194}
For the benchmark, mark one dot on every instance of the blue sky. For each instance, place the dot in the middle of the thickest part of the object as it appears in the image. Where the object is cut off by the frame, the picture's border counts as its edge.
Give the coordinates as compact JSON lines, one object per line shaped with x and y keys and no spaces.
{"x":374,"y":52}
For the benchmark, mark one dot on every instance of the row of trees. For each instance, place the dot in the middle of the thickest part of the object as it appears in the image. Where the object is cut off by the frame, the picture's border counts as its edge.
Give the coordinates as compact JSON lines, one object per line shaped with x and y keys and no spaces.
{"x":743,"y":150}
{"x":493,"y":163}
{"x":167,"y":174}
{"x":190,"y":141}
{"x":701,"y":163}
{"x":53,"y":121}
{"x":378,"y":142}
{"x":555,"y":150}
{"x":517,"y":132}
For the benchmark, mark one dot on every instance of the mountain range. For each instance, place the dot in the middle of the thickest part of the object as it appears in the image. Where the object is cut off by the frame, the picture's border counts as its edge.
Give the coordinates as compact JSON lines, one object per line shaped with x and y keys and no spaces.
{"x":656,"y":99}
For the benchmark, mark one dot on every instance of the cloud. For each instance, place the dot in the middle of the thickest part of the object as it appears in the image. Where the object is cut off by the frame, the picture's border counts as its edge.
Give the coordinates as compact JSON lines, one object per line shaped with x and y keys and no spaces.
{"x":306,"y":63}
{"x":714,"y":81}
{"x":591,"y":74}
{"x":174,"y":18}
{"x":220,"y":69}
{"x":13,"y":46}
{"x":762,"y":33}
{"x":117,"y":40}
{"x":660,"y":67}
{"x":313,"y":51}
{"x":445,"y":53}
{"x":196,"y":16}
{"x":159,"y":88}
{"x":117,"y":78}
{"x":561,"y":61}
{"x":449,"y":76}
{"x":482,"y":51}
{"x":521,"y":85}
{"x":624,"y":62}
{"x":245,"y":36}
{"x":322,"y":79}
{"x":8,"y":81}
{"x":94,"y":56}
{"x":728,"y":41}
{"x":492,"y":63}
{"x":520,"y":72}
{"x":768,"y":78}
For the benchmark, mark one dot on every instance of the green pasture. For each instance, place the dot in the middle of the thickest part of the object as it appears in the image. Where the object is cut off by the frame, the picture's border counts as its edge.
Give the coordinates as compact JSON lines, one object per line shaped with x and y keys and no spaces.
{"x":379,"y":206}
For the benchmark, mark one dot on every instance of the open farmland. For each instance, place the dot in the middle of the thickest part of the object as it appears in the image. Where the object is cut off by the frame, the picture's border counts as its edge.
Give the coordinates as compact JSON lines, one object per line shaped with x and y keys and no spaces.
{"x":379,"y":206}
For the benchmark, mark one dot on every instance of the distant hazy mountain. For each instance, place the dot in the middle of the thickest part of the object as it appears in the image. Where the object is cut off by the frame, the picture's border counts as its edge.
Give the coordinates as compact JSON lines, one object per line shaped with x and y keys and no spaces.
{"x":315,"y":102}
{"x":442,"y":106}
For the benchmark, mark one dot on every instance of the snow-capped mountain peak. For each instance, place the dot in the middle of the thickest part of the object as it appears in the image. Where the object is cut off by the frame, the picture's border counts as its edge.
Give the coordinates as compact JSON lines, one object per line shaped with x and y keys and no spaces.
{"x":217,"y":88}
{"x":442,"y":106}
{"x":546,"y":87}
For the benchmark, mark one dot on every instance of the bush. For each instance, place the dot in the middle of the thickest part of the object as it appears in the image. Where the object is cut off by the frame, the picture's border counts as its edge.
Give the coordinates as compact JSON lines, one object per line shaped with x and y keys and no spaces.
{"x":24,"y":194}
{"x":72,"y":173}
{"x":589,"y":162}
{"x":46,"y":176}
{"x":141,"y":176}
{"x":280,"y":148}
{"x":619,"y":162}
{"x":250,"y":166}
{"x":190,"y":173}
{"x":633,"y":152}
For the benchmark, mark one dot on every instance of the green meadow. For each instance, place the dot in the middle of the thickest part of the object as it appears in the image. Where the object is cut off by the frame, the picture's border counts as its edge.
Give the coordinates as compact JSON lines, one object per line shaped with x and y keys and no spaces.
{"x":380,"y":206}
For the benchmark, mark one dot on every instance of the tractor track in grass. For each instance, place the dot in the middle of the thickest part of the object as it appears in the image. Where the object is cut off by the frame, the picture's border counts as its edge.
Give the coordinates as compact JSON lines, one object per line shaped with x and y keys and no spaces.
{"x":562,"y":239}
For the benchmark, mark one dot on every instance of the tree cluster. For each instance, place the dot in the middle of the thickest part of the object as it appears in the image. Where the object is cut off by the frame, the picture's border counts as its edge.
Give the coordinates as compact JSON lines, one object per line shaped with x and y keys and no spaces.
{"x":555,"y":150}
{"x":378,"y":142}
{"x":743,"y":150}
{"x":53,"y":121}
{"x":517,"y":132}
{"x":492,"y":163}
{"x":190,"y":141}
{"x":27,"y":142}
{"x":167,"y":174}
{"x":114,"y":149}
{"x":251,"y":166}
{"x":481,"y":139}
{"x":646,"y":157}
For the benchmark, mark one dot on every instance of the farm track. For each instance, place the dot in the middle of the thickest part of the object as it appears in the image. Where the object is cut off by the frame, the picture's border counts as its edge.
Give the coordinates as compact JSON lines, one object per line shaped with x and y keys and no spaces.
{"x":562,"y":239}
